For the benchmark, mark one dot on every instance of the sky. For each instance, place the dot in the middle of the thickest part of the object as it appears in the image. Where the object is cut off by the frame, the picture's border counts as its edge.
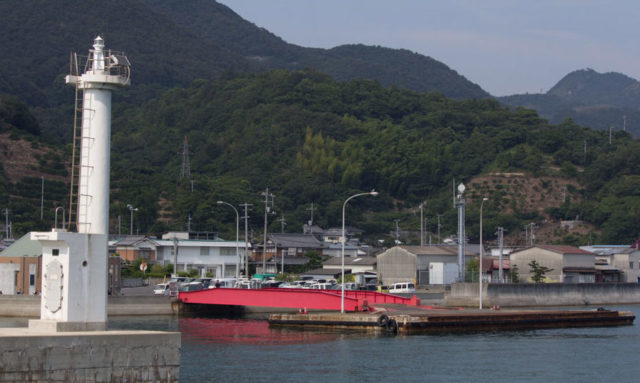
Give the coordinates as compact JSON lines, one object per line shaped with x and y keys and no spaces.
{"x":505,"y":46}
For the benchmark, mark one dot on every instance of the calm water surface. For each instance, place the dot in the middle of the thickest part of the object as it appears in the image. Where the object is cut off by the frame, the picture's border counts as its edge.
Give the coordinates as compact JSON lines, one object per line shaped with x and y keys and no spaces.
{"x":222,"y":350}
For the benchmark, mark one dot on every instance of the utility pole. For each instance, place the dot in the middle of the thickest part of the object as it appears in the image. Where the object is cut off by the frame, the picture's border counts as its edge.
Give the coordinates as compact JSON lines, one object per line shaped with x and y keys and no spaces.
{"x":397,"y":231}
{"x":283,"y":223}
{"x":610,"y":127}
{"x":426,"y":221}
{"x":6,"y":223}
{"x":526,"y":234}
{"x":501,"y":248}
{"x":532,"y":236}
{"x":268,"y":200}
{"x":42,"y":199}
{"x":246,"y":241}
{"x":311,"y":209}
{"x":439,"y":226}
{"x":421,"y":225}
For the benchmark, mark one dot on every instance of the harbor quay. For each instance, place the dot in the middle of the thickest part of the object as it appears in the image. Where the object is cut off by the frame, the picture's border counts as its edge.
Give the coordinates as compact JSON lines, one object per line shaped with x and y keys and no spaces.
{"x":398,"y":319}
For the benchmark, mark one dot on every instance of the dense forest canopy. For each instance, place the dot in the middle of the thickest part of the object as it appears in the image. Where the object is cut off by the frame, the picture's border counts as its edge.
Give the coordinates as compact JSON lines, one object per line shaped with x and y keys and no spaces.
{"x":310,"y":137}
{"x":313,"y":139}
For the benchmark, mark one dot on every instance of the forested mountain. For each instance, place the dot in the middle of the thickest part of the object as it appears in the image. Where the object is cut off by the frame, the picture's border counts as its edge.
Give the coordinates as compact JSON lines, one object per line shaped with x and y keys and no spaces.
{"x":398,"y":67}
{"x":310,"y":135}
{"x":173,"y":42}
{"x":312,"y":139}
{"x":598,"y":100}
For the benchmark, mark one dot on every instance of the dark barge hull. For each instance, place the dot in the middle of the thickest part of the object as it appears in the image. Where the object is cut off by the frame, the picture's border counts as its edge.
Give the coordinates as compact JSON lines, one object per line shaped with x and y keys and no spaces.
{"x":455,"y":320}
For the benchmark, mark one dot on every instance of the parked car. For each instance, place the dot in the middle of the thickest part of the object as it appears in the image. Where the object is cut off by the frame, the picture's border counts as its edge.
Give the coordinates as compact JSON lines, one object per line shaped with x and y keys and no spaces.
{"x":161,"y":289}
{"x":191,"y":286}
{"x":402,"y":287}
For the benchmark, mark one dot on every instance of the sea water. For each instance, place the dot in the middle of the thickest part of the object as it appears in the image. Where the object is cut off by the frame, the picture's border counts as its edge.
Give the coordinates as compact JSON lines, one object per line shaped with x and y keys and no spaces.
{"x":225,"y":350}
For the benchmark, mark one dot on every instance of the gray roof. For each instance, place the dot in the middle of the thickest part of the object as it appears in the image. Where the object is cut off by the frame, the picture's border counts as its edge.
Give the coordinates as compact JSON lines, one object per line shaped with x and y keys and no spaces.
{"x":23,"y":247}
{"x":296,"y":240}
{"x":351,"y":261}
{"x":435,"y":250}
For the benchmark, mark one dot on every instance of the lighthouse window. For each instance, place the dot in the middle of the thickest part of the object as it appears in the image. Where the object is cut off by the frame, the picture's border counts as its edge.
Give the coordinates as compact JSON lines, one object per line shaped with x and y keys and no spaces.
{"x":55,"y":252}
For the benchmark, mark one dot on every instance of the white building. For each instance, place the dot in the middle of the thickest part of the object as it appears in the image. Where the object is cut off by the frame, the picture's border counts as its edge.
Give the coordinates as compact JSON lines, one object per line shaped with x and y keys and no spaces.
{"x":215,"y":256}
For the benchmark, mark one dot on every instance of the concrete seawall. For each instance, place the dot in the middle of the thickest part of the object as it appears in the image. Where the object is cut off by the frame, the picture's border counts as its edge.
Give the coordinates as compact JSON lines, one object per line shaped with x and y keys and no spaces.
{"x":28,"y":306}
{"x":544,"y":294}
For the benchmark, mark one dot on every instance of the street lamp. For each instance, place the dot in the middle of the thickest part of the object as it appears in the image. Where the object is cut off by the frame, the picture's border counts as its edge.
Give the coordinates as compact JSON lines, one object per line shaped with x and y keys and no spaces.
{"x":481,"y":251}
{"x":237,"y":229}
{"x":343,"y":239}
{"x":131,"y":209}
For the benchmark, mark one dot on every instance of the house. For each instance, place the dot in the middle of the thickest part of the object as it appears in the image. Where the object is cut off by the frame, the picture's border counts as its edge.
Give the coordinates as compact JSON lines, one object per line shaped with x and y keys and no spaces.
{"x":334,"y":234}
{"x":133,"y":248}
{"x":288,"y":246}
{"x":216,"y":257}
{"x":568,"y":264}
{"x":423,"y":264}
{"x":363,"y":268}
{"x":616,"y":263}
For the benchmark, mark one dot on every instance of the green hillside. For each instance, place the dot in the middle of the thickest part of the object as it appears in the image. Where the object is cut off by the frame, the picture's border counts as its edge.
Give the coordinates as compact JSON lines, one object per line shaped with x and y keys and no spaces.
{"x":312,"y":139}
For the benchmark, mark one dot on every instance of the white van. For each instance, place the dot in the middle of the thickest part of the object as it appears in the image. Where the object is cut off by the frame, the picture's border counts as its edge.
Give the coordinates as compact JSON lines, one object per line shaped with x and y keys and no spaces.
{"x":402,"y":287}
{"x":161,"y":289}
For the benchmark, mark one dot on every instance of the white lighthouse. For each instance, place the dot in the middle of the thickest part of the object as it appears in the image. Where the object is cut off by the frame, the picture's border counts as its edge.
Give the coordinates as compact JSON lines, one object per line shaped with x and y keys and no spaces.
{"x":74,"y":291}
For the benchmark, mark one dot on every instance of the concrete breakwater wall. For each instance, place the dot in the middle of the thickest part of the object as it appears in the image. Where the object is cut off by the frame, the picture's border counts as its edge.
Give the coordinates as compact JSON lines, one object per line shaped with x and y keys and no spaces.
{"x":544,"y":294}
{"x":28,"y":306}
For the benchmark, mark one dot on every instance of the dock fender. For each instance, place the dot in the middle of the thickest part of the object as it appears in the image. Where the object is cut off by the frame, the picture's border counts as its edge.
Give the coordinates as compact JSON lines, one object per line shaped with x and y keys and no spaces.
{"x":383,"y":320}
{"x":392,"y":326}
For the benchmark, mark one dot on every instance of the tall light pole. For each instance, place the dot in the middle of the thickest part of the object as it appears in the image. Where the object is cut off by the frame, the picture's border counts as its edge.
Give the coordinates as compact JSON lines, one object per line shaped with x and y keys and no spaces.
{"x":343,"y":239}
{"x":131,"y":209}
{"x":481,"y":251}
{"x":246,"y":240}
{"x":237,"y":229}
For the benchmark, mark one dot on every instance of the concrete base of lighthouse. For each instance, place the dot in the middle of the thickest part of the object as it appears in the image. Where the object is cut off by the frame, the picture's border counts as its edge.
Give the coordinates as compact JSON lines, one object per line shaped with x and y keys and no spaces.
{"x":74,"y":286}
{"x":29,"y":355}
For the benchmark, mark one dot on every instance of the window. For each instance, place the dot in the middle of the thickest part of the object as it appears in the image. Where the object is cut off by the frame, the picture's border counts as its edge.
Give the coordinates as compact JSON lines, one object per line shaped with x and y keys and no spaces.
{"x":55,"y":252}
{"x":204,"y":250}
{"x":227,"y":251}
{"x":631,"y":265}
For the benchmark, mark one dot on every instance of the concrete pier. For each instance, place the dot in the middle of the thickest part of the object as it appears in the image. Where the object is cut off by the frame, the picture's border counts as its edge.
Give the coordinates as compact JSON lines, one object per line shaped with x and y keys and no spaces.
{"x":28,"y":355}
{"x":419,"y":320}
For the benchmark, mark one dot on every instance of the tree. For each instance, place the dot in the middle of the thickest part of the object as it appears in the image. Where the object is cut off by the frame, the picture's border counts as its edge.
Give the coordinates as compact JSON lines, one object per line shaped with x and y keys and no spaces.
{"x":514,"y":275}
{"x":538,"y":271}
{"x":472,"y":270}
